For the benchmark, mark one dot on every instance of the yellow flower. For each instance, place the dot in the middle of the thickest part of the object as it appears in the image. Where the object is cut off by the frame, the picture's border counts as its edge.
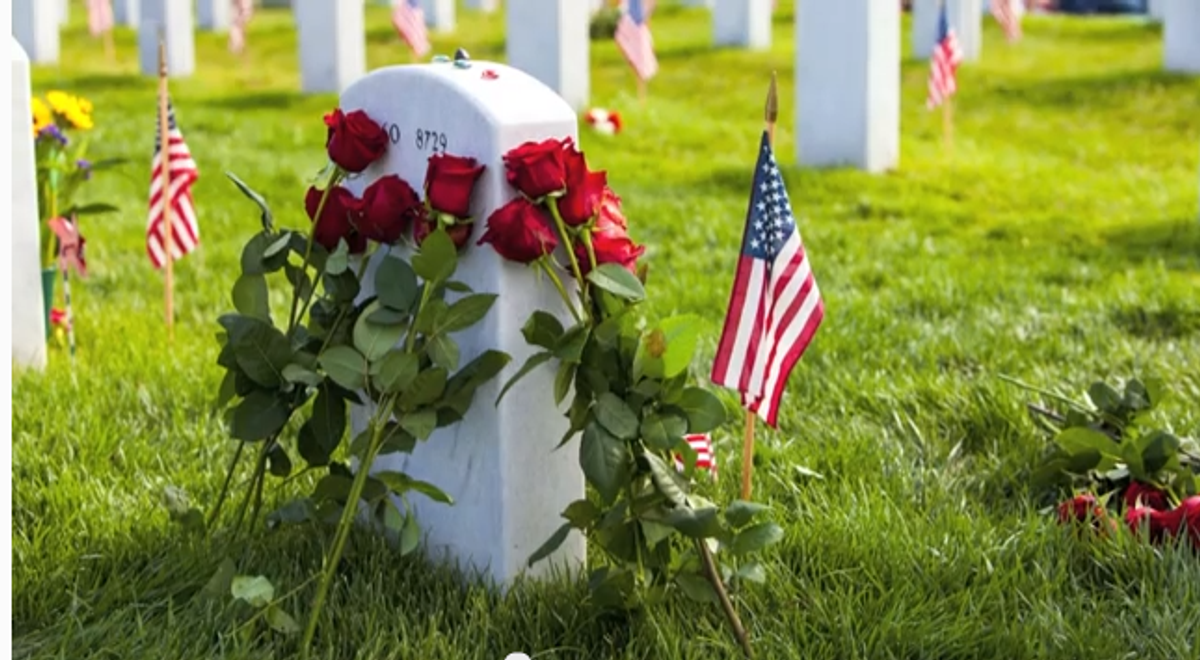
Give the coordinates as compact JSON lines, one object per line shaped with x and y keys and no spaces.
{"x":80,"y":119}
{"x":60,"y":102}
{"x":77,"y":111}
{"x":84,"y":104}
{"x":42,"y":117}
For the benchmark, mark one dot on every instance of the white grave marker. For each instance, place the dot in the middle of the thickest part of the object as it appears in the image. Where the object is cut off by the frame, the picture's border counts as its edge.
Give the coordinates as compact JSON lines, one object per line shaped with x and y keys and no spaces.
{"x":699,"y":3}
{"x":487,"y":6}
{"x":549,"y":40}
{"x":214,"y":15}
{"x":1181,"y":36}
{"x":439,"y":14}
{"x":848,"y":83}
{"x":126,"y":12}
{"x":28,"y":316}
{"x":742,"y":23}
{"x":965,"y":17}
{"x":173,"y":21}
{"x":1156,"y":10}
{"x":333,"y":50}
{"x":498,"y":464}
{"x":35,"y":26}
{"x":64,"y":12}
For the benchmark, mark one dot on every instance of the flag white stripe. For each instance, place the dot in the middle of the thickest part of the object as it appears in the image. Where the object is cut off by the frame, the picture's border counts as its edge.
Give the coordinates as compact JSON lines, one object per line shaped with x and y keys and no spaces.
{"x":775,"y":312}
{"x":745,"y":327}
{"x":790,"y":335}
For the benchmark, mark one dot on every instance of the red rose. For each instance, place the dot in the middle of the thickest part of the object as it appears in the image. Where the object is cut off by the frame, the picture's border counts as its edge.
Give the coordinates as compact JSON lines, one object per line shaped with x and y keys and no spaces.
{"x":449,"y":182}
{"x":536,"y":168}
{"x":388,"y":207}
{"x":354,"y":140}
{"x":1079,"y":508}
{"x":337,"y":218}
{"x":459,"y":233}
{"x":611,"y":220}
{"x":1147,"y":494}
{"x":1140,"y":517}
{"x":585,"y":190}
{"x":1189,"y":519}
{"x":519,"y":231}
{"x":610,"y":240}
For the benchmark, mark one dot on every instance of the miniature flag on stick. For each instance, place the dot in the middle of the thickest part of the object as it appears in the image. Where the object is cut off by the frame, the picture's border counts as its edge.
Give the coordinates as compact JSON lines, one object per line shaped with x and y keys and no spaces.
{"x":100,"y":23}
{"x":943,"y":75}
{"x":70,"y":259}
{"x":706,"y":458}
{"x":409,"y":20}
{"x":1008,"y":14}
{"x":243,"y":10}
{"x":636,"y":42}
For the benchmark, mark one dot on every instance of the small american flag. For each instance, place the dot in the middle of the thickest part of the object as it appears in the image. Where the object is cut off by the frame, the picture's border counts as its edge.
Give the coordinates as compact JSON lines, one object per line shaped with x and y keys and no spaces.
{"x":185,"y":235}
{"x":409,"y":20}
{"x":775,"y":307}
{"x":100,"y":16}
{"x":706,"y":459}
{"x":635,"y":41}
{"x":1008,"y":14}
{"x":70,"y":246}
{"x":944,"y":65}
{"x":242,"y":11}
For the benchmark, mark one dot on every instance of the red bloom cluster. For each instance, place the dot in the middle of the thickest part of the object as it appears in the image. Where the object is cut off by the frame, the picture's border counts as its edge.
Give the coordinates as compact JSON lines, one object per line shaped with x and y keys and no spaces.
{"x":389,"y":206}
{"x":1146,"y":507}
{"x":553,"y":177}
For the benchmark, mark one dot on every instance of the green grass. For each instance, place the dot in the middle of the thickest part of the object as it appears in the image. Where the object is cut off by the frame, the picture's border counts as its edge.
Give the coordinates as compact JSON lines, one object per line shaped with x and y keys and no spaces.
{"x":1059,"y":244}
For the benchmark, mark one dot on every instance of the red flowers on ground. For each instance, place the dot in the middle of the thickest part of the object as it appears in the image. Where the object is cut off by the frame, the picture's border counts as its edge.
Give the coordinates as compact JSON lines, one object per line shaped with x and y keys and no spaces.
{"x":1079,"y":508}
{"x":520,"y":231}
{"x":337,"y":218}
{"x":537,"y":168}
{"x":354,"y":140}
{"x":389,"y":206}
{"x":1148,"y":495}
{"x":449,"y":182}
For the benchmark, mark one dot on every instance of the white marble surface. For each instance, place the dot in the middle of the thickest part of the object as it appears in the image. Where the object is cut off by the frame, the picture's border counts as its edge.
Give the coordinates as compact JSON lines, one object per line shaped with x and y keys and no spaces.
{"x":35,"y":27}
{"x":214,"y":15}
{"x":548,"y":39}
{"x":174,"y":20}
{"x":439,"y":15}
{"x":333,"y":50}
{"x":848,"y":84}
{"x":126,"y":12}
{"x":508,"y":485}
{"x":742,"y":23}
{"x":488,"y":6}
{"x":965,"y":17}
{"x":1181,"y":36}
{"x":28,"y":316}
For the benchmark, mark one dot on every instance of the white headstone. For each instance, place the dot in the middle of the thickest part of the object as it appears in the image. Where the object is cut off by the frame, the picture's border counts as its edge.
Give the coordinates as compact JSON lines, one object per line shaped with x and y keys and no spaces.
{"x":498,"y":464}
{"x":1181,"y":36}
{"x":966,"y":20}
{"x":848,"y":83}
{"x":35,"y":26}
{"x":64,"y":11}
{"x":173,"y":21}
{"x":596,"y":5}
{"x":439,"y":14}
{"x":126,"y":12}
{"x":699,"y":3}
{"x":28,"y":316}
{"x":214,"y":15}
{"x":333,"y":50}
{"x":924,"y":27}
{"x":488,"y":6}
{"x":742,"y":23}
{"x":1156,"y":9}
{"x":549,"y":40}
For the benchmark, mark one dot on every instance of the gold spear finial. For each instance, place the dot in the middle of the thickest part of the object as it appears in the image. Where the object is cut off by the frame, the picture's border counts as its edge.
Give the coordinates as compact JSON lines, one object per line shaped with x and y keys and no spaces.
{"x":772,"y":109}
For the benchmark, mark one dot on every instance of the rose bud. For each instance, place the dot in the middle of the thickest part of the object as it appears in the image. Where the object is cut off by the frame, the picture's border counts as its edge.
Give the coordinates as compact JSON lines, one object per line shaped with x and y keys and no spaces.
{"x":459,"y":233}
{"x":354,"y":140}
{"x":337,"y":215}
{"x":610,"y":249}
{"x":585,"y":190}
{"x":519,"y":231}
{"x":536,"y":168}
{"x":1147,"y":495}
{"x":611,"y":220}
{"x":388,"y":207}
{"x":449,"y":182}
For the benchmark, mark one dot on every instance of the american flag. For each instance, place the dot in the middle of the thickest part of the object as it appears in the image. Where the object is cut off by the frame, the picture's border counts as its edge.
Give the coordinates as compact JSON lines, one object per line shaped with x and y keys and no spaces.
{"x":775,"y":307}
{"x":635,"y":41}
{"x":1008,"y":14}
{"x":100,"y":16}
{"x":242,"y":11}
{"x":183,"y":173}
{"x":409,"y":20}
{"x":706,"y":459}
{"x":944,"y":65}
{"x":70,"y":246}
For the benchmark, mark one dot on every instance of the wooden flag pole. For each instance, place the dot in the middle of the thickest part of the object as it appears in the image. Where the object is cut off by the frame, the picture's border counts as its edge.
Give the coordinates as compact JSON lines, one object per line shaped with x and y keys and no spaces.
{"x":641,"y":88}
{"x":948,"y":124}
{"x":167,"y":227}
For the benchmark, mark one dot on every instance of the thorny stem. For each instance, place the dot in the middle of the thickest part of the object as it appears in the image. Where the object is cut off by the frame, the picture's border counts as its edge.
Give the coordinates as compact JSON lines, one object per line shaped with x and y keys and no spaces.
{"x":714,"y":576}
{"x":362,"y":267}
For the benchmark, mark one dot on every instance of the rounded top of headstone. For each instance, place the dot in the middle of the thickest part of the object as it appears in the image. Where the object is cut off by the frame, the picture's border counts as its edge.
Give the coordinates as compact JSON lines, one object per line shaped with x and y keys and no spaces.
{"x":18,"y":53}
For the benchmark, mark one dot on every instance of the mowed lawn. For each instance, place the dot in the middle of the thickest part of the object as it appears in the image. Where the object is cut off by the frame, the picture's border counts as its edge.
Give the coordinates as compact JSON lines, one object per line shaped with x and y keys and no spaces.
{"x":1058,"y":244}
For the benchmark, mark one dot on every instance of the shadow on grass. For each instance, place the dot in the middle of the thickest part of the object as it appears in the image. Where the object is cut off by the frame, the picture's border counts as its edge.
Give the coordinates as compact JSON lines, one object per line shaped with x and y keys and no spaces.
{"x":100,"y":82}
{"x":1174,"y":243}
{"x":256,"y":101}
{"x":1114,"y":89}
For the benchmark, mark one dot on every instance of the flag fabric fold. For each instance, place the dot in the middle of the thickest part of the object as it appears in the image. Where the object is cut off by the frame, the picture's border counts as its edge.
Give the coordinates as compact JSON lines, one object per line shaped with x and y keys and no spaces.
{"x":635,"y":41}
{"x":943,"y":72}
{"x":1008,"y":15}
{"x":775,"y":307}
{"x":185,"y":234}
{"x":706,"y":458}
{"x":409,"y":20}
{"x":100,"y":16}
{"x":243,"y":10}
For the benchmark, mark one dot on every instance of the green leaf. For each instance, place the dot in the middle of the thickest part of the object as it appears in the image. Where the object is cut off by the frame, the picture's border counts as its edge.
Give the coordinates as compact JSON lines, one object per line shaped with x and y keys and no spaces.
{"x":426,"y":388}
{"x":328,"y":424}
{"x":532,"y":363}
{"x":1158,"y":449}
{"x":655,"y":533}
{"x":604,"y":461}
{"x":396,"y":284}
{"x":443,"y":351}
{"x":429,"y":317}
{"x":345,"y":366}
{"x":562,"y":381}
{"x":571,"y":344}
{"x":752,"y":572}
{"x":401,"y":483}
{"x":259,"y":416}
{"x":695,"y":523}
{"x":279,"y":246}
{"x":393,"y":517}
{"x":281,"y":622}
{"x":617,"y":281}
{"x":740,"y":512}
{"x":250,"y":296}
{"x":663,"y":431}
{"x":682,"y":333}
{"x":339,"y":259}
{"x":257,"y":590}
{"x":459,"y":287}
{"x":221,"y":581}
{"x":1078,"y":440}
{"x":1104,"y":397}
{"x":667,"y":480}
{"x":582,"y":514}
{"x":294,"y":373}
{"x":387,"y":316}
{"x":374,"y":340}
{"x":553,"y":543}
{"x":756,"y":537}
{"x":267,"y":221}
{"x":461,"y":388}
{"x":466,"y":312}
{"x":334,"y":487}
{"x":420,"y":423}
{"x":228,"y":389}
{"x":410,"y":535}
{"x":312,"y":450}
{"x":260,"y":349}
{"x":436,"y":259}
{"x":252,"y":254}
{"x":542,"y":329}
{"x":615,"y":415}
{"x":97,"y":208}
{"x":704,"y":410}
{"x":279,"y":463}
{"x":397,"y":370}
{"x":696,"y":588}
